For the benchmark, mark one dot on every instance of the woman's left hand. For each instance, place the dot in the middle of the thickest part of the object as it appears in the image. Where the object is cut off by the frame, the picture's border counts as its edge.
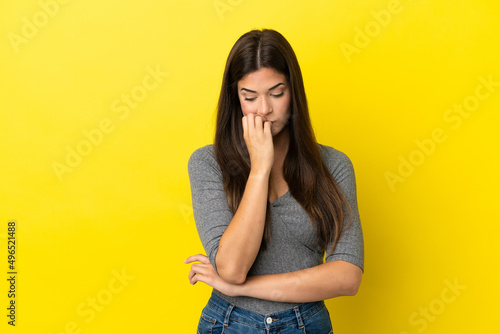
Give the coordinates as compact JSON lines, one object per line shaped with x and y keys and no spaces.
{"x":205,"y":272}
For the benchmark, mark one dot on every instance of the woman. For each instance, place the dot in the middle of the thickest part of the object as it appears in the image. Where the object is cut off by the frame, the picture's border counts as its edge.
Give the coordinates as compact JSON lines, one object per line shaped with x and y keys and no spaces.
{"x":268,"y":201}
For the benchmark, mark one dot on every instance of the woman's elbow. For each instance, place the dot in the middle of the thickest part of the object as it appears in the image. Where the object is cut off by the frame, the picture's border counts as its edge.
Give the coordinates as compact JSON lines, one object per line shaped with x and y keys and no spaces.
{"x":232,"y":276}
{"x":352,"y":290}
{"x":230,"y":272}
{"x":354,"y":283}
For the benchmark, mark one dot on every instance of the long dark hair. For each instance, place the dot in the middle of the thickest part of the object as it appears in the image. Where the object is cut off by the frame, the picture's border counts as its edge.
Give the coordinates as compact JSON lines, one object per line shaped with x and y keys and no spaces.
{"x":308,"y":178}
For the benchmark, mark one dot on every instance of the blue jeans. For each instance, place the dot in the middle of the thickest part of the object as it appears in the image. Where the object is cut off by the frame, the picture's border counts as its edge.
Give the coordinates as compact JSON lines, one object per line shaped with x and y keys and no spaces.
{"x":220,"y":316}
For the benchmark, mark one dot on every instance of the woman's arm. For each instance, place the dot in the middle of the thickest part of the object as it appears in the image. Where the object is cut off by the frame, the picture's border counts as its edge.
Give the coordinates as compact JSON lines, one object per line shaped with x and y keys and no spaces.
{"x":325,"y":281}
{"x":232,"y":241}
{"x":240,"y":243}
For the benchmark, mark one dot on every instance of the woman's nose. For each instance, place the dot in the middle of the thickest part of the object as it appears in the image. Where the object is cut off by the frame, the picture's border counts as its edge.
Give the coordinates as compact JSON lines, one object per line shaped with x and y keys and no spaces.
{"x":265,"y":107}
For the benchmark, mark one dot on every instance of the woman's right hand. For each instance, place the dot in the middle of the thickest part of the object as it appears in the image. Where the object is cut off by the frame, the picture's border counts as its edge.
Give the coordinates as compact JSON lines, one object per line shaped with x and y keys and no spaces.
{"x":259,"y":141}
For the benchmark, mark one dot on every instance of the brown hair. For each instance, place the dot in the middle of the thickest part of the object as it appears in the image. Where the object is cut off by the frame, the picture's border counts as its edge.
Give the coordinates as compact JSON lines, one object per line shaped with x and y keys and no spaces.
{"x":309,"y":180}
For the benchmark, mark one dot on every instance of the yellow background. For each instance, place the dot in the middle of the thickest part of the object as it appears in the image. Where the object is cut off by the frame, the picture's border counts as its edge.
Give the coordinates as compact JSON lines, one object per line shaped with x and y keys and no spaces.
{"x":126,"y":206}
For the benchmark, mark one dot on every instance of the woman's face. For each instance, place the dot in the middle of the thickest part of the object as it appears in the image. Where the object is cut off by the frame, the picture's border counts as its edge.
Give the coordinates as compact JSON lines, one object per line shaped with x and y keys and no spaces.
{"x":266,"y":93}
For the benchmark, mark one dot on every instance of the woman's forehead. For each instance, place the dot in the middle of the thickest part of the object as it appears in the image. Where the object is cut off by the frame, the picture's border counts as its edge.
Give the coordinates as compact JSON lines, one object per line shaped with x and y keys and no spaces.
{"x":262,"y":78}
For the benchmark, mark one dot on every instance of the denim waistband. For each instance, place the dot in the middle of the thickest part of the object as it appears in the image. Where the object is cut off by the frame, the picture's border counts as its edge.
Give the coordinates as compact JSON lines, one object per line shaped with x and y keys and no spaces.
{"x":296,"y":314}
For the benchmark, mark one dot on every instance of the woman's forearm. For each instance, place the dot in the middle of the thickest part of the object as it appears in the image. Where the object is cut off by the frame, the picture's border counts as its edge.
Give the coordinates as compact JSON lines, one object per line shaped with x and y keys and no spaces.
{"x":328,"y":280}
{"x":240,"y":243}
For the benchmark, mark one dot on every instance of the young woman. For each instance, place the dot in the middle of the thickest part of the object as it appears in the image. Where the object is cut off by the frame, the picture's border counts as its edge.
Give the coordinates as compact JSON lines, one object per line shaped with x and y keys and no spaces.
{"x":268,"y":201}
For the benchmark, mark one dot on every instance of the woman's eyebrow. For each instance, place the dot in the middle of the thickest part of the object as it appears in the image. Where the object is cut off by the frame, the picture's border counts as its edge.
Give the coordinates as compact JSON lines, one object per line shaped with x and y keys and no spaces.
{"x":273,"y":87}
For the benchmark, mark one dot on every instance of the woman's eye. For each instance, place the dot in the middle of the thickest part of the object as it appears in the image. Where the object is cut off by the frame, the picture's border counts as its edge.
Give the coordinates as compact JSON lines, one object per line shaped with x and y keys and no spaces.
{"x":249,"y":99}
{"x":278,"y":95}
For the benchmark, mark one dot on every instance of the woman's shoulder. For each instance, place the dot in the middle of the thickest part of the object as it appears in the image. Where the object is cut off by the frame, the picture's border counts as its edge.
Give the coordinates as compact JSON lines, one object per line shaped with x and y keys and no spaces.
{"x":203,"y":151}
{"x":201,"y":156}
{"x":336,"y":160}
{"x":332,"y":154}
